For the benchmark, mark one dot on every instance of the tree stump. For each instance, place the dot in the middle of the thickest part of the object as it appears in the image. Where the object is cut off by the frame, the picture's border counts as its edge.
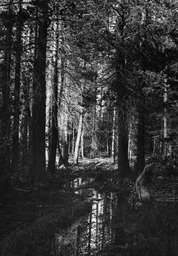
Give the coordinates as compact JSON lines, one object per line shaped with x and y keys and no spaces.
{"x":141,"y":182}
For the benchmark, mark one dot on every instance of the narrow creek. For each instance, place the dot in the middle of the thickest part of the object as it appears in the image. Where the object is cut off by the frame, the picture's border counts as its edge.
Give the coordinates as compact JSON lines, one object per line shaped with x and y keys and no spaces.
{"x":94,"y":232}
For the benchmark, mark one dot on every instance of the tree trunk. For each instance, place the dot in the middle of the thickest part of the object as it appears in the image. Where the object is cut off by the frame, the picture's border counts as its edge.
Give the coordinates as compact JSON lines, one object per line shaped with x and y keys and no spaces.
{"x":165,"y":128}
{"x":77,"y":144}
{"x":113,"y":146}
{"x":94,"y":146}
{"x":61,"y":158}
{"x":63,"y":151}
{"x":82,"y":145}
{"x":39,"y":100}
{"x":65,"y":138}
{"x":123,"y":160}
{"x":141,"y":139}
{"x":5,"y":105}
{"x":54,"y":129}
{"x":15,"y":140}
{"x":73,"y":139}
{"x":25,"y":123}
{"x":131,"y":142}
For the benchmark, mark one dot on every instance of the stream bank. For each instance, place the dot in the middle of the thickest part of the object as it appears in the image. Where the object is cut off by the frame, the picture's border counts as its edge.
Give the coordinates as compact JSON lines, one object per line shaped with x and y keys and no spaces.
{"x":115,"y":227}
{"x":93,"y":213}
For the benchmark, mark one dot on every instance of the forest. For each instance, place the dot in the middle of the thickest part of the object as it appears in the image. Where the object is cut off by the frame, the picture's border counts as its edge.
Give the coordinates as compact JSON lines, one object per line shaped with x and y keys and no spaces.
{"x":89,"y":88}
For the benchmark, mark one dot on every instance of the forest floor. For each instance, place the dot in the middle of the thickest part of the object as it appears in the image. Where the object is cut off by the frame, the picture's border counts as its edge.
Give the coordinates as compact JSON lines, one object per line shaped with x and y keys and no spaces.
{"x":31,"y":218}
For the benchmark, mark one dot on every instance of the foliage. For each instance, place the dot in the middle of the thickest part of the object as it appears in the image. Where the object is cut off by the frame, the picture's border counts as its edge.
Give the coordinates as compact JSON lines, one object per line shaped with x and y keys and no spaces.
{"x":157,"y":232}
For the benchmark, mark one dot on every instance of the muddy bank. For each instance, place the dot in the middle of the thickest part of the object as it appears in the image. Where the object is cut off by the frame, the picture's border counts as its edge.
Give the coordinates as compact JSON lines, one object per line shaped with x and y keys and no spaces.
{"x":29,"y":220}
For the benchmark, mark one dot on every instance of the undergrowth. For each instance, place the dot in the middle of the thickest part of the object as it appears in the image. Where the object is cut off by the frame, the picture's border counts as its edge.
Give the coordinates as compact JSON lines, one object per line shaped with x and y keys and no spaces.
{"x":151,"y":230}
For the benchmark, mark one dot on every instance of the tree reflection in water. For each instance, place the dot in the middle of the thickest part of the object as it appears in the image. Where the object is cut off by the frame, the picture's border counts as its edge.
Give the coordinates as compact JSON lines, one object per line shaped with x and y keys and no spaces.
{"x":93,"y":233}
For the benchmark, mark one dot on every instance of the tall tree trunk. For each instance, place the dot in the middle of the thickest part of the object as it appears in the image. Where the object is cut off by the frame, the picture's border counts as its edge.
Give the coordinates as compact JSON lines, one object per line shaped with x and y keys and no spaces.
{"x":65,"y":140}
{"x":54,"y":128}
{"x":130,"y":149}
{"x":25,"y":123}
{"x":64,"y":122}
{"x":15,"y":142}
{"x":94,"y":146}
{"x":82,"y":145}
{"x":77,"y":144}
{"x":123,"y":160}
{"x":39,"y":99}
{"x":63,"y":153}
{"x":113,"y":146}
{"x":122,"y":100}
{"x":141,"y":136}
{"x":165,"y":128}
{"x":5,"y":104}
{"x":73,"y":139}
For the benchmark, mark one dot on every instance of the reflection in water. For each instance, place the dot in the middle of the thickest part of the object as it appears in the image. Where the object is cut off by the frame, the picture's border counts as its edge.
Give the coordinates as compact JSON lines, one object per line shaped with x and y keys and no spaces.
{"x":93,"y":232}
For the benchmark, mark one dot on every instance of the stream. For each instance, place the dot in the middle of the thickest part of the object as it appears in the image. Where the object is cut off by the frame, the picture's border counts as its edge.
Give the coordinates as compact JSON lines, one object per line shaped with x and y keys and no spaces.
{"x":94,"y":232}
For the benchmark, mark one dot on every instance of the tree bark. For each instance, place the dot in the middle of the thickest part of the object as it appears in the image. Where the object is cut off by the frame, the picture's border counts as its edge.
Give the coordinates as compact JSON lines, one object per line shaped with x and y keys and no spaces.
{"x":25,"y":123}
{"x":141,"y":138}
{"x":77,"y":144}
{"x":82,"y":145}
{"x":39,"y":100}
{"x":64,"y":133}
{"x":113,"y":146}
{"x":165,"y":123}
{"x":123,"y":160}
{"x":15,"y":140}
{"x":54,"y":129}
{"x":73,"y":140}
{"x":94,"y":146}
{"x":5,"y":74}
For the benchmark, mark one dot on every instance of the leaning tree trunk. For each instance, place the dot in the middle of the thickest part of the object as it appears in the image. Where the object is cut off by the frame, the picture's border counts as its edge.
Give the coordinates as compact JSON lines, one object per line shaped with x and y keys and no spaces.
{"x":39,"y":100}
